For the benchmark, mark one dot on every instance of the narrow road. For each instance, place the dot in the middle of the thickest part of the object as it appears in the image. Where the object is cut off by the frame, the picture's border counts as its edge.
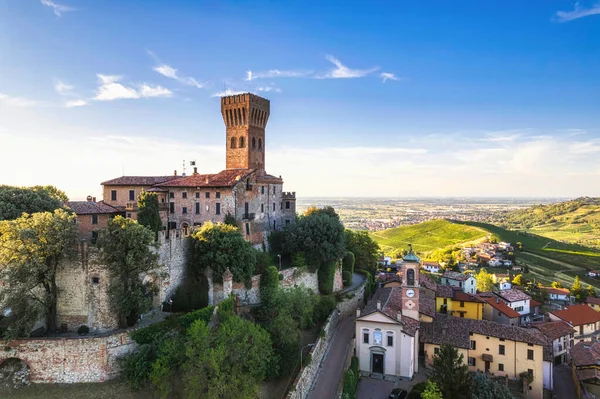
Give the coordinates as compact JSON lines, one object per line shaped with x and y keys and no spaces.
{"x":558,"y":262}
{"x":357,"y":279}
{"x":563,"y":383}
{"x":332,"y":366}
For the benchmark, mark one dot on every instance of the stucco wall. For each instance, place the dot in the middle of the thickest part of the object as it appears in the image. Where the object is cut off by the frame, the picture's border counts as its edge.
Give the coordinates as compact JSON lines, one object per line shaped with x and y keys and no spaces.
{"x":70,"y":360}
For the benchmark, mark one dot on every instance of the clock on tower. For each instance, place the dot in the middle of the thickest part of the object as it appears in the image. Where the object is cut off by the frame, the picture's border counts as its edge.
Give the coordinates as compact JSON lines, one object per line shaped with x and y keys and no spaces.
{"x":411,"y":265}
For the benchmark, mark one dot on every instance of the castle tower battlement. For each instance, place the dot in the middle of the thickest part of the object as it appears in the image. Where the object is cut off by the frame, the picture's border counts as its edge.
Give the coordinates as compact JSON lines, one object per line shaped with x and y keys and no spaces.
{"x":245,"y":116}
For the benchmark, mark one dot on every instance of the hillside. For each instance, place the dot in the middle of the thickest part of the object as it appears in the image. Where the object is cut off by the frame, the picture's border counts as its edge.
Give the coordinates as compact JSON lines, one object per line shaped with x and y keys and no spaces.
{"x":428,"y":236}
{"x":576,"y":221}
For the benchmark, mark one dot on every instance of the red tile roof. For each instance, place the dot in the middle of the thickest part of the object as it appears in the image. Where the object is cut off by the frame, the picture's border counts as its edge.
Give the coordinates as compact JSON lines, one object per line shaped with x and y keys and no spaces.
{"x":427,"y":282}
{"x":391,"y":305}
{"x":502,"y":307}
{"x":427,"y":305}
{"x":139,"y":180}
{"x":512,"y":295}
{"x":578,"y":315}
{"x":557,"y":291}
{"x":592,"y":300}
{"x":464,"y":297}
{"x":586,"y":353}
{"x":90,"y":208}
{"x":225,"y":178}
{"x":446,"y":291}
{"x":534,"y":304}
{"x":554,"y":329}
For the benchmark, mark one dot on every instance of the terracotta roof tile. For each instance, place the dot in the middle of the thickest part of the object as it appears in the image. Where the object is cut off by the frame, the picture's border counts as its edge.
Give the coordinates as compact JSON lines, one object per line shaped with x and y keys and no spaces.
{"x":557,"y":291}
{"x":427,"y":282}
{"x":427,"y":305}
{"x":512,"y":295}
{"x":553,"y":329}
{"x":592,"y":300}
{"x":446,"y":329}
{"x":534,"y":304}
{"x":391,"y":306}
{"x":446,"y":291}
{"x":586,"y":353}
{"x":139,"y":180}
{"x":90,"y":208}
{"x":502,"y":307}
{"x":225,"y":178}
{"x":578,"y":315}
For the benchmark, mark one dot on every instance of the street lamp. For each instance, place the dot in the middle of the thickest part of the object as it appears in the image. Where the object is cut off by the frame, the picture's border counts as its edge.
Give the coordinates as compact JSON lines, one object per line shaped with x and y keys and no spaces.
{"x":279,"y":256}
{"x":301,"y":350}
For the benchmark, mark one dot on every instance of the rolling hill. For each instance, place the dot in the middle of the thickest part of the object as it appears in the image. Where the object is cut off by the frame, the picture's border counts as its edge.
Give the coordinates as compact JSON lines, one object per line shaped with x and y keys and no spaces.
{"x":576,"y":221}
{"x":428,"y":236}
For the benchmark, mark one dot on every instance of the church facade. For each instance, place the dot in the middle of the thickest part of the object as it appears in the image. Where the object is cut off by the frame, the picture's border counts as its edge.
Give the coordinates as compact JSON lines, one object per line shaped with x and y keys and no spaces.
{"x":387,"y":329}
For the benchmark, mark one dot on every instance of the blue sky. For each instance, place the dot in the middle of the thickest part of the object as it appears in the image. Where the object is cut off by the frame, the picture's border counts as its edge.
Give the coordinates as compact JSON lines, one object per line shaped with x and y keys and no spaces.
{"x":367,"y":98}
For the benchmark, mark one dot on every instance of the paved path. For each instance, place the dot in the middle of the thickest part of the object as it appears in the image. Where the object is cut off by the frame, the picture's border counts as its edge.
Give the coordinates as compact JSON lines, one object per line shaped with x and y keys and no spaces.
{"x":563,"y":383}
{"x":332,"y":366}
{"x":357,"y":279}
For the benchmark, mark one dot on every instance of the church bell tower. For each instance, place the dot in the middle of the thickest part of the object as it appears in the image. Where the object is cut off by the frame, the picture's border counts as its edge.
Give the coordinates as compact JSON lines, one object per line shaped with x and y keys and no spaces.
{"x":411,"y":265}
{"x":245,"y":116}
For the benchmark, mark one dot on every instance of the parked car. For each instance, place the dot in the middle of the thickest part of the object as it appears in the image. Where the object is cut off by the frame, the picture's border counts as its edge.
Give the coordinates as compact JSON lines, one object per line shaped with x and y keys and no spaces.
{"x":398,"y":393}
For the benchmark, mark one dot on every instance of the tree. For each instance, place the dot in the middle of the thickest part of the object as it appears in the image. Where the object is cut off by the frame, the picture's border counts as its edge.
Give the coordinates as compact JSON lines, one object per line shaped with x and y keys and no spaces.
{"x":431,"y":391}
{"x":269,"y":283}
{"x":520,"y":246}
{"x":230,"y":220}
{"x":319,"y":235}
{"x":227,"y":363}
{"x":365,"y":250}
{"x":518,"y":280}
{"x":31,"y":250}
{"x":126,"y":249}
{"x":221,"y":246}
{"x":556,"y":284}
{"x":285,"y":335}
{"x":485,"y":282}
{"x":14,"y":201}
{"x":348,"y":262}
{"x":577,"y":290}
{"x":591,"y":291}
{"x":148,"y":214}
{"x":450,"y":373}
{"x":485,"y":388}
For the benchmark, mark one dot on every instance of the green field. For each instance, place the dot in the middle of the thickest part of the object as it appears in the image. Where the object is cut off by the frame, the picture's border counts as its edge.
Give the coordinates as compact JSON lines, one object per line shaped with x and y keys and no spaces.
{"x":428,"y":236}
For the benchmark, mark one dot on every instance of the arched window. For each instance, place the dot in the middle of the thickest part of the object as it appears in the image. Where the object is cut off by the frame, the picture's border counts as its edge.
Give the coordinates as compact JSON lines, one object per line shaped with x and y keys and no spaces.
{"x":253,"y":143}
{"x":260,"y":144}
{"x":233,"y":142}
{"x":242,"y":142}
{"x":410,"y":277}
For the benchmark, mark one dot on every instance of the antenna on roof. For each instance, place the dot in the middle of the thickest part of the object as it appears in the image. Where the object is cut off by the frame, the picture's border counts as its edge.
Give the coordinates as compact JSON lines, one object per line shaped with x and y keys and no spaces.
{"x":183,"y":174}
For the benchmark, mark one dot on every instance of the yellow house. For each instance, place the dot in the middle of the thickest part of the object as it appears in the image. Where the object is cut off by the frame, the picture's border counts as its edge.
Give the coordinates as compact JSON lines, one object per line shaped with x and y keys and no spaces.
{"x":457,"y":303}
{"x":593,"y":302}
{"x":489,"y":347}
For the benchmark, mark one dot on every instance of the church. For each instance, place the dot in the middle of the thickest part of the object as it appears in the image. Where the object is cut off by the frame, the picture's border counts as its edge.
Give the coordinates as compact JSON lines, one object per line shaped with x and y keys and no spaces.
{"x":387,"y":329}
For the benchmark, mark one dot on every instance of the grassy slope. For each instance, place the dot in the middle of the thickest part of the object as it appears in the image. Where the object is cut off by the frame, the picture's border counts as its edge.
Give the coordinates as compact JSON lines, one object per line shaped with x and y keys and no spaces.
{"x":427,"y":236}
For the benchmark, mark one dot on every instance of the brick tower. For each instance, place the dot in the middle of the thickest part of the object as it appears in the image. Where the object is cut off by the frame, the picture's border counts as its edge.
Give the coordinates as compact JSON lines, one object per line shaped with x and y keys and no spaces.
{"x":411,"y":265}
{"x":245,"y":116}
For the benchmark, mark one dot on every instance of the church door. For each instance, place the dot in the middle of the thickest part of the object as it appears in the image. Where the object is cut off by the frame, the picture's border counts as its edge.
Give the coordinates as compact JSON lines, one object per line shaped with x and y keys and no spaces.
{"x":377,"y":366}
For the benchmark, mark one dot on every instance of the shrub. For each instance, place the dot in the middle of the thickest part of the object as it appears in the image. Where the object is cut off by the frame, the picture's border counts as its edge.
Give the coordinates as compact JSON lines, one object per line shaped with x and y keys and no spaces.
{"x":83,"y":330}
{"x":225,"y":310}
{"x":269,"y":281}
{"x":153,"y":332}
{"x":137,"y":366}
{"x":351,"y":380}
{"x":263,"y":261}
{"x":299,"y":261}
{"x":417,"y":390}
{"x":280,"y":276}
{"x":205,"y":315}
{"x":323,"y":308}
{"x":347,"y":277}
{"x":348,"y":262}
{"x":326,"y":275}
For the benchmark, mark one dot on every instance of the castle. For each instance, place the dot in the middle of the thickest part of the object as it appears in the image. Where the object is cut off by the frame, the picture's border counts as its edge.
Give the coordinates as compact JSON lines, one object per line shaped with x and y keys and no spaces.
{"x":244,"y":189}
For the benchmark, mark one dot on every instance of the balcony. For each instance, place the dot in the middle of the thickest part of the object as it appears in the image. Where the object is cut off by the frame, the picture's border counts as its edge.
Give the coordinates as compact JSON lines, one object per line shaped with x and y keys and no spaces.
{"x":248,"y":216}
{"x":131,"y":206}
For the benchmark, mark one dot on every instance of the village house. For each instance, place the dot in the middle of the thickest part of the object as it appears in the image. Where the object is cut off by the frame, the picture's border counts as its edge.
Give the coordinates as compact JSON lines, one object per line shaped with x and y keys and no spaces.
{"x":453,"y":301}
{"x":432,"y":267}
{"x":584,"y":319}
{"x":585,"y":356}
{"x":91,"y":216}
{"x":244,"y":189}
{"x":593,"y":303}
{"x":518,"y":301}
{"x":466,"y":282}
{"x":593,"y":273}
{"x":489,"y":347}
{"x":387,"y":329}
{"x":504,"y":285}
{"x":558,"y":294}
{"x":561,"y":335}
{"x":498,"y":311}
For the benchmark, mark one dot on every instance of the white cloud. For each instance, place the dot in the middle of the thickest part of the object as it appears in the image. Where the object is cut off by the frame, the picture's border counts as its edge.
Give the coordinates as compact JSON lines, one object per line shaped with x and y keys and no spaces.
{"x":268,"y":89}
{"x":111,"y":89}
{"x":16,"y":101}
{"x":76,"y":103}
{"x":343,"y":72}
{"x":385,"y":76}
{"x":63,"y":88}
{"x":172,"y":73}
{"x":276,"y":73}
{"x":57,"y":8}
{"x":584,"y":147}
{"x":578,"y":12}
{"x":227,"y":92}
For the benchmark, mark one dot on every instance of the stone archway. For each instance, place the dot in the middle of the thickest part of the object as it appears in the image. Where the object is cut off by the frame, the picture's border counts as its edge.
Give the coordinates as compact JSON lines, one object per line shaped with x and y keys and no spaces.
{"x":14,"y":373}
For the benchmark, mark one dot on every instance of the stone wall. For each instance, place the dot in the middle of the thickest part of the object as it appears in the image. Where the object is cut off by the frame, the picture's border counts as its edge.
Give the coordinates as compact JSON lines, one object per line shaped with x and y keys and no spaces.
{"x":305,"y":380}
{"x":352,"y":300}
{"x":172,"y":257}
{"x":70,"y":360}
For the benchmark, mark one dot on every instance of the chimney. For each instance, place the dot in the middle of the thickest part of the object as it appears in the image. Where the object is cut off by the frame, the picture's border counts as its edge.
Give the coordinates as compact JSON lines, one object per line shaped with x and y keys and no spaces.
{"x":357,"y":313}
{"x":207,"y":180}
{"x":497,"y":300}
{"x":89,"y":198}
{"x":195,"y":170}
{"x":175,"y":172}
{"x":93,"y":199}
{"x":378,"y":305}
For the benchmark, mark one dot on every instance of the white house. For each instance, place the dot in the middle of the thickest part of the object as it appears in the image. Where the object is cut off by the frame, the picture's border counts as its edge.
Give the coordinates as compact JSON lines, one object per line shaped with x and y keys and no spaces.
{"x":558,"y":294}
{"x":584,"y":319}
{"x":507,"y":263}
{"x":518,"y":301}
{"x":387,"y":329}
{"x":504,"y":285}
{"x":431,"y":267}
{"x":467,"y":282}
{"x":495,"y":262}
{"x":559,"y":335}
{"x":593,"y":273}
{"x":503,"y":245}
